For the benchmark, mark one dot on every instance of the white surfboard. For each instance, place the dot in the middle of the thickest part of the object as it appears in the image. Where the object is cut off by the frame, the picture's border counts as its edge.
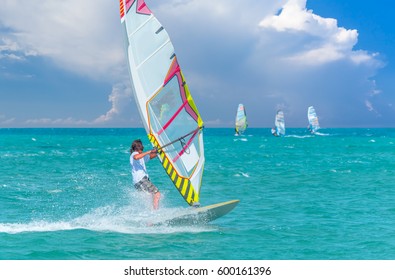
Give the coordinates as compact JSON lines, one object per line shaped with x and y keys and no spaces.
{"x":199,"y":215}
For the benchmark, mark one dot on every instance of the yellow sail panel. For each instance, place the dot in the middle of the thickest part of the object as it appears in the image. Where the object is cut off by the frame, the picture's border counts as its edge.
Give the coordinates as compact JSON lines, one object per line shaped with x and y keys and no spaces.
{"x":191,"y":102}
{"x":183,"y":184}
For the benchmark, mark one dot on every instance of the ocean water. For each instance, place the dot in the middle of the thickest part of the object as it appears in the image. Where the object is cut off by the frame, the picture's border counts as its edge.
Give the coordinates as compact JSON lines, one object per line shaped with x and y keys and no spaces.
{"x":67,"y":194}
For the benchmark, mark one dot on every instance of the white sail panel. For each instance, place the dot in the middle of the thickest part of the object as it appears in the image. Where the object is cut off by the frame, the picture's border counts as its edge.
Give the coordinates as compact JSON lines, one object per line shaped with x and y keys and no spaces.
{"x":169,"y":114}
{"x":280,"y":123}
{"x":151,"y":59}
{"x":141,"y":48}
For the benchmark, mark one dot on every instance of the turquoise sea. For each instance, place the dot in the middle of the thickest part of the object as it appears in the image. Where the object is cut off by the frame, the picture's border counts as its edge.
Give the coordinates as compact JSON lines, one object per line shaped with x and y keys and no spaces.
{"x":67,"y":194}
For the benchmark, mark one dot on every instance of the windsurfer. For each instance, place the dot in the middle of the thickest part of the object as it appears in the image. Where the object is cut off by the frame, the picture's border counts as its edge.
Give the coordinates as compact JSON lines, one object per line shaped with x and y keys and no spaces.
{"x":274,"y":132}
{"x":141,"y":180}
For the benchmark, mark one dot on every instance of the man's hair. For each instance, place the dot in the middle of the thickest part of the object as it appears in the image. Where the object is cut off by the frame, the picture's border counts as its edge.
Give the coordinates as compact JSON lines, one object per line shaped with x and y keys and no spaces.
{"x":136,"y":145}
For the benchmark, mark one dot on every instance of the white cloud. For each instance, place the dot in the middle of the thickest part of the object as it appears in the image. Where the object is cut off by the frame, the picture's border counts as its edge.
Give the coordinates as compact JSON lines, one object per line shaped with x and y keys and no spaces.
{"x":369,"y":105}
{"x":10,"y":49}
{"x":45,"y":122}
{"x":119,"y":114}
{"x":326,"y":42}
{"x":4,"y":121}
{"x":81,"y":36}
{"x":120,"y":97}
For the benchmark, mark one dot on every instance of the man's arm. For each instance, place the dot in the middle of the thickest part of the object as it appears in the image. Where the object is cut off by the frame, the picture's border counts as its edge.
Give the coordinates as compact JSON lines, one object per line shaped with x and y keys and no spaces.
{"x":152,"y":153}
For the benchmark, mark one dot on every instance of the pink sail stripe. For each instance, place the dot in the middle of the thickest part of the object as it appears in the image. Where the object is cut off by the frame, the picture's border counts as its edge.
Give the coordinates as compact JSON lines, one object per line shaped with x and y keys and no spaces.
{"x":129,"y":3}
{"x":174,"y":69}
{"x":142,"y":8}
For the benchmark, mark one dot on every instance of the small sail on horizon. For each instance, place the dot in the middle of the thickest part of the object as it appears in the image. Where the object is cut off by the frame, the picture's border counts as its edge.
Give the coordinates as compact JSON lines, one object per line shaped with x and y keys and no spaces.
{"x":241,"y":120}
{"x":313,"y":120}
{"x":169,"y":114}
{"x":279,"y":123}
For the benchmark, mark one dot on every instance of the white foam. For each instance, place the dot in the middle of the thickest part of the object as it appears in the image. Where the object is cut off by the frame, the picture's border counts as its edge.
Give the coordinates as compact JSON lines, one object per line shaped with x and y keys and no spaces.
{"x":55,"y":191}
{"x":241,"y":139}
{"x":135,"y":218}
{"x":322,"y":134}
{"x":299,"y":136}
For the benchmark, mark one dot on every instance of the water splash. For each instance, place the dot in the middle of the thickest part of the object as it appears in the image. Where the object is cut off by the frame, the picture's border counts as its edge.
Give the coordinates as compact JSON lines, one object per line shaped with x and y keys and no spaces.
{"x":135,"y":218}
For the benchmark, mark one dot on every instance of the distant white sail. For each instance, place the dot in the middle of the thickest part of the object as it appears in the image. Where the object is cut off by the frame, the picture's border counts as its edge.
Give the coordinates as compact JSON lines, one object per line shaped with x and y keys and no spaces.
{"x":313,"y":120}
{"x":241,"y":120}
{"x":280,"y":123}
{"x":166,"y":107}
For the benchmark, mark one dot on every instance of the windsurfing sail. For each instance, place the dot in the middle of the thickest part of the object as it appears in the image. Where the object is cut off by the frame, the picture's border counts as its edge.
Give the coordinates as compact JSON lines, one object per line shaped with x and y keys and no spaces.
{"x":313,"y":120}
{"x":241,"y":120}
{"x":280,"y":123}
{"x":168,"y":112}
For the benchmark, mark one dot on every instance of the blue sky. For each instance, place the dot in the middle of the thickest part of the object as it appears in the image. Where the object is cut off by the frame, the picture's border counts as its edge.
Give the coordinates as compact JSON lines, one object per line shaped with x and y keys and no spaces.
{"x":62,"y":63}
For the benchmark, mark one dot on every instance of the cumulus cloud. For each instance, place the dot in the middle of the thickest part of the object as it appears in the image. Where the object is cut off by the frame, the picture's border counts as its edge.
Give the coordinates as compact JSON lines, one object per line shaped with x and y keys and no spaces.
{"x":120,"y":103}
{"x":80,"y":36}
{"x":10,"y":49}
{"x":267,"y":54}
{"x":327,"y":41}
{"x":120,"y":97}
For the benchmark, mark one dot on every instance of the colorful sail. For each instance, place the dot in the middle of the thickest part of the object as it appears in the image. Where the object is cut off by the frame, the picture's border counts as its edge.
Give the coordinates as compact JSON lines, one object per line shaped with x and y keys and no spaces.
{"x":241,"y":120}
{"x":280,"y":123}
{"x":168,"y":112}
{"x":313,"y":120}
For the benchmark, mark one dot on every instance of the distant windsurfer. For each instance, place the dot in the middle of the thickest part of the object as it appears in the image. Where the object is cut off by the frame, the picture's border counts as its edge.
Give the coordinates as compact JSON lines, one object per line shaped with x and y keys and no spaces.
{"x":141,"y":180}
{"x":274,"y":132}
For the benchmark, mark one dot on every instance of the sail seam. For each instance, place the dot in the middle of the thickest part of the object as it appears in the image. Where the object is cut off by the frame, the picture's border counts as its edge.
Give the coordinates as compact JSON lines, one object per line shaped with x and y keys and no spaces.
{"x":152,"y":54}
{"x":141,"y":26}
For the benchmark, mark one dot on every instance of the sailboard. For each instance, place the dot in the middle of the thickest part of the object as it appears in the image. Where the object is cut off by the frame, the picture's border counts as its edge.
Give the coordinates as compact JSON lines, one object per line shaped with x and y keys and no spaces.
{"x":279,"y":124}
{"x":198,"y":215}
{"x":313,"y":120}
{"x":241,"y":120}
{"x":168,"y":112}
